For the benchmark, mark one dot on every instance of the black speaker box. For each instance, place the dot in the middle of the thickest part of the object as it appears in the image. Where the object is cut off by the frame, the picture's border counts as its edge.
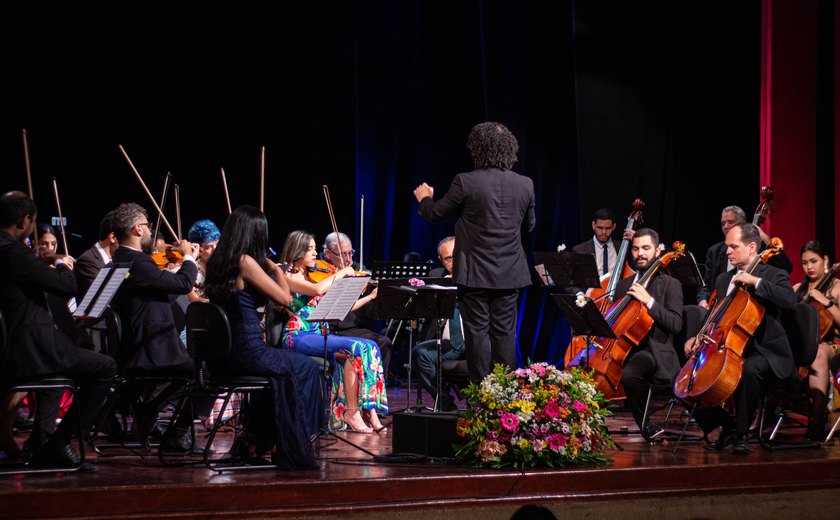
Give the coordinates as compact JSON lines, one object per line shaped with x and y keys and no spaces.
{"x":431,"y":434}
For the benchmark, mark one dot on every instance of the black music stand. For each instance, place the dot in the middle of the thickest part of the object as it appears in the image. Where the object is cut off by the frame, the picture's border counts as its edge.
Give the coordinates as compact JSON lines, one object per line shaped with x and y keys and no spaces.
{"x":585,"y":321}
{"x":332,"y":309}
{"x":437,"y":302}
{"x":566,"y":269}
{"x":389,"y":270}
{"x":685,"y":270}
{"x":102,"y":291}
{"x":398,"y":300}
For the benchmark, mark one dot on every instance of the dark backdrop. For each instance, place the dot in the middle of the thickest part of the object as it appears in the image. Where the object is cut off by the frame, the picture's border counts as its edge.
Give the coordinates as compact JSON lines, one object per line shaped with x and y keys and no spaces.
{"x":609,"y":101}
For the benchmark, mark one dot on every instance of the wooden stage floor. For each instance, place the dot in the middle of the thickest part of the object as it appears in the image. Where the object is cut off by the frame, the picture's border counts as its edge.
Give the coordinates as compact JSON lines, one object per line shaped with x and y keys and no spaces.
{"x":643,"y":479}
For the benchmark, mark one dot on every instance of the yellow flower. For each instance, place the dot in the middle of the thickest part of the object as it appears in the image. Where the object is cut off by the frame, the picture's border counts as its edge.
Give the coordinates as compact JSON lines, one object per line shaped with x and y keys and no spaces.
{"x":523,"y":443}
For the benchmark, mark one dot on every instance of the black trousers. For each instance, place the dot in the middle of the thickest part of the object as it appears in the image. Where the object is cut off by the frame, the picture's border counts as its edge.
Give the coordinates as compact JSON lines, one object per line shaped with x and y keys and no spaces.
{"x":94,"y":373}
{"x":757,"y":377}
{"x":637,"y":377}
{"x":489,"y":317}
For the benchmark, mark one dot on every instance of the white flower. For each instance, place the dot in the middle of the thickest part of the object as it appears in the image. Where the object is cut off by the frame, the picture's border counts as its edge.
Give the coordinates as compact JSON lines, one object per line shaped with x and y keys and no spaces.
{"x":561,"y":248}
{"x":580,"y":299}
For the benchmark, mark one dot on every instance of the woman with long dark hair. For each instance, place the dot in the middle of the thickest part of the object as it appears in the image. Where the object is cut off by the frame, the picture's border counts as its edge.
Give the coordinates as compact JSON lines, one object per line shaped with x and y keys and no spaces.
{"x":815,"y":263}
{"x":240,"y":279}
{"x":358,"y":392}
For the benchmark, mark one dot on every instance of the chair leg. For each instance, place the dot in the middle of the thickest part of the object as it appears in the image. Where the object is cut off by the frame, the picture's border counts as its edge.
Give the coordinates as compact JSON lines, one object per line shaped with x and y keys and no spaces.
{"x":833,"y":431}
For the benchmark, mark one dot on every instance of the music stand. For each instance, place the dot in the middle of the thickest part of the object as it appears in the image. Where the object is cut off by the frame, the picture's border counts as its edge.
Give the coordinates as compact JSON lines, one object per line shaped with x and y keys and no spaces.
{"x":394,"y":303}
{"x":383,"y":270}
{"x":685,"y":270}
{"x":332,"y":309}
{"x":102,"y":291}
{"x":434,"y":301}
{"x":566,"y":269}
{"x":585,"y":321}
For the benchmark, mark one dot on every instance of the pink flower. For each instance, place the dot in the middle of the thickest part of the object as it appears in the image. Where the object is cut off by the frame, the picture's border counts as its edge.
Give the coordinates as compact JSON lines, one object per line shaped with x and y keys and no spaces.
{"x":552,"y":409}
{"x":539,"y":369}
{"x":556,"y":441}
{"x":509,"y":422}
{"x":416,"y":282}
{"x":579,"y":407}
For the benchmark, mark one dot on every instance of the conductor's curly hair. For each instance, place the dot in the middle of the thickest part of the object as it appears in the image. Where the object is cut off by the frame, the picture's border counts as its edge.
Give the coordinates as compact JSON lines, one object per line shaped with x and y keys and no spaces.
{"x":492,"y":145}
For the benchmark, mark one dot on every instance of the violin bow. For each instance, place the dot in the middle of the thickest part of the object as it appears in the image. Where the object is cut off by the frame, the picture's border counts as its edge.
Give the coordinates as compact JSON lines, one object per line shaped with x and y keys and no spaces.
{"x":146,"y":189}
{"x":163,"y":201}
{"x":334,"y":226}
{"x":262,"y":179}
{"x":227,"y":195}
{"x":362,"y":235}
{"x":29,"y":180}
{"x":178,"y":211}
{"x":60,"y":218}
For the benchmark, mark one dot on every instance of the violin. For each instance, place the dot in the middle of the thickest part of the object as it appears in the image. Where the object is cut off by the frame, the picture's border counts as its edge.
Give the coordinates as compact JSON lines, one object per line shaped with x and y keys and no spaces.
{"x":631,"y":322}
{"x":711,"y":375}
{"x":609,"y":281}
{"x":167,"y":255}
{"x":320,"y":271}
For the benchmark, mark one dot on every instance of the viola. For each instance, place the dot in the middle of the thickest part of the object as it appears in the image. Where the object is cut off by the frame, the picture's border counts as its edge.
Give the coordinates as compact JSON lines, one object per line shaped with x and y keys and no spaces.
{"x":630,"y":320}
{"x":607,"y":289}
{"x":712,"y":374}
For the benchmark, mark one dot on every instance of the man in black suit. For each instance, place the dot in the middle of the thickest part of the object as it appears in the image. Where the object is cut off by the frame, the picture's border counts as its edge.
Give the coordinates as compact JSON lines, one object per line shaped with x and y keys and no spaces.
{"x":654,"y":359}
{"x":716,"y":256}
{"x":768,"y":360}
{"x":37,"y":347}
{"x":602,"y":246}
{"x":94,"y":259}
{"x":494,"y":206}
{"x":150,"y":342}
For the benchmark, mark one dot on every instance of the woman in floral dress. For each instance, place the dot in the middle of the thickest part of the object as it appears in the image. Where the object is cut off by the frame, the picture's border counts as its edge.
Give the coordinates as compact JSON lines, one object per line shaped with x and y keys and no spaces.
{"x":358,"y":392}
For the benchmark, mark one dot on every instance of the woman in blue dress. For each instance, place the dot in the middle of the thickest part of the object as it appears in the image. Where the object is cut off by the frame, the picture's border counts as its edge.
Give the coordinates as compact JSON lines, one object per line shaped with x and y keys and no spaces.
{"x":358,"y":392}
{"x":239,"y":278}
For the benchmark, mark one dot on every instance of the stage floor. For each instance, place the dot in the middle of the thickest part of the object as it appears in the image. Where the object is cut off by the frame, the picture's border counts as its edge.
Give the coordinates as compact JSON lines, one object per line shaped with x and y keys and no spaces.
{"x":349,"y":481}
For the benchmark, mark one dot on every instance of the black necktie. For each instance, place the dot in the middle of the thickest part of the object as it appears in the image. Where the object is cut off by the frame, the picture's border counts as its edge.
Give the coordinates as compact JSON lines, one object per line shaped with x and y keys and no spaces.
{"x":606,"y":266}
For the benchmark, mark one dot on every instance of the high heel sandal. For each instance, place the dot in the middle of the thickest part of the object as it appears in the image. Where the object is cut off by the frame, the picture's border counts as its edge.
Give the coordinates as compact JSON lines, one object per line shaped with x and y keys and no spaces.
{"x":365,"y":429}
{"x":381,"y":428}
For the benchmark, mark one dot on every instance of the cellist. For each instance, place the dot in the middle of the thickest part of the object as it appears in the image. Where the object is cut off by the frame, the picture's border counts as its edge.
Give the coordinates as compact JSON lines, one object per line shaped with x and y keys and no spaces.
{"x":768,"y":360}
{"x":654,"y":358}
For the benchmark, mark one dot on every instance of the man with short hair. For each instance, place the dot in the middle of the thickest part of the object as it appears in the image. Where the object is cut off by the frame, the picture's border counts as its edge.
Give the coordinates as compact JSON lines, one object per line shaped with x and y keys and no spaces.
{"x":452,"y":339}
{"x":37,"y":347}
{"x":768,"y":360}
{"x":602,"y":246}
{"x":94,"y":259}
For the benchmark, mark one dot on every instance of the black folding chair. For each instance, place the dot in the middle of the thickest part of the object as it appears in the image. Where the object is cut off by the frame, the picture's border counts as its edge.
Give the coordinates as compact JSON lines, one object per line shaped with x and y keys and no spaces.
{"x":36,"y":385}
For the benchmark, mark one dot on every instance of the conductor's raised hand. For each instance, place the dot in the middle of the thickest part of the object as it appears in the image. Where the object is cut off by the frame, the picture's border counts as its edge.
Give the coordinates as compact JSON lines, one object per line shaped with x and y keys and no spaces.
{"x":423,"y":191}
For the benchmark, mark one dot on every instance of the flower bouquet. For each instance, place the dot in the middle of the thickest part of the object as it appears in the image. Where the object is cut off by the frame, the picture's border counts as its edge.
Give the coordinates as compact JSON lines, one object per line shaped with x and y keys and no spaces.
{"x":534,"y":416}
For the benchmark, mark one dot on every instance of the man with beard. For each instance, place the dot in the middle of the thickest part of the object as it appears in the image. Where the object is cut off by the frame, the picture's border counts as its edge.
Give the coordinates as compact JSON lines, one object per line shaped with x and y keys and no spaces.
{"x":150,"y":344}
{"x":654,"y":359}
{"x":602,"y":246}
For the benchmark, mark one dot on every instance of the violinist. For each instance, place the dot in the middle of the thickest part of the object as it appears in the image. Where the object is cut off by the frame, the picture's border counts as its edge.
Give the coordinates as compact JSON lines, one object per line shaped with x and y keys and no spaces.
{"x":47,"y":241}
{"x":340,"y":254}
{"x":150,"y":341}
{"x":815,"y":263}
{"x":655,"y":357}
{"x":206,"y":234}
{"x":94,"y":259}
{"x":358,"y":393}
{"x":768,"y":361}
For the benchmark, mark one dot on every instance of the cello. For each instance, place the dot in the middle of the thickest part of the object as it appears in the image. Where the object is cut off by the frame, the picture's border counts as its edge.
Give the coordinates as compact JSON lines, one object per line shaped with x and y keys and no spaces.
{"x":714,"y":370}
{"x":630,"y":320}
{"x":826,"y":320}
{"x":609,"y":282}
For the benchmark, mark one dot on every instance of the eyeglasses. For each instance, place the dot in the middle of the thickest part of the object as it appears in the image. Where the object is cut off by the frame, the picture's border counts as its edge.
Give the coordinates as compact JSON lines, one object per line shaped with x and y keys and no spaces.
{"x":144,"y":224}
{"x":344,"y":254}
{"x":447,"y":258}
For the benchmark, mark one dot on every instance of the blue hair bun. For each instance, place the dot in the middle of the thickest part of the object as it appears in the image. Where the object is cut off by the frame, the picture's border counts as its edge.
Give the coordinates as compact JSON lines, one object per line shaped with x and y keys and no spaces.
{"x":203,"y":231}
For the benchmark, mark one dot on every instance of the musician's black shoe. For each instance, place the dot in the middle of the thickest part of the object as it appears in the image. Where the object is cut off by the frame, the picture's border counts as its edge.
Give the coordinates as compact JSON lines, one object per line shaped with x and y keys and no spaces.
{"x":56,"y":454}
{"x":651,"y":431}
{"x":740,"y":446}
{"x":727,"y":438}
{"x":144,"y":421}
{"x":179,"y":441}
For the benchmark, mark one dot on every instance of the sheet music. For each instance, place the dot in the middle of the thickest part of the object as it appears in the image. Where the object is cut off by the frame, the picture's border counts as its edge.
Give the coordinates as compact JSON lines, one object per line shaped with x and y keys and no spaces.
{"x":98,"y":296}
{"x":336,"y":304}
